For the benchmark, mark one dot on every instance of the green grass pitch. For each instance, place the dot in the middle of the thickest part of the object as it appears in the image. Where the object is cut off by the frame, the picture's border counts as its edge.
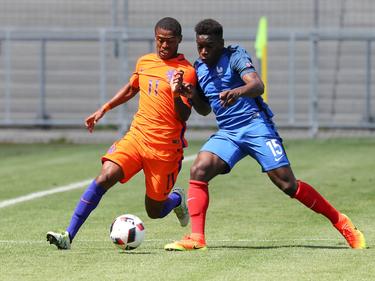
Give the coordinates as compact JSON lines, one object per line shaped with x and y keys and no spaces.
{"x":254,"y":231}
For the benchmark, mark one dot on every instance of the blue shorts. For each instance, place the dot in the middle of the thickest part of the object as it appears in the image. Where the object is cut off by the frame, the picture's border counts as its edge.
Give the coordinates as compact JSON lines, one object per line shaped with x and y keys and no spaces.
{"x":259,"y":139}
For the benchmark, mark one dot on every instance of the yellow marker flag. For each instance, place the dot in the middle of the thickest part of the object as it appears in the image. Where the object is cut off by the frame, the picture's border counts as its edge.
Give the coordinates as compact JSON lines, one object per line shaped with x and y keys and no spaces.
{"x":261,"y":39}
{"x":261,"y":51}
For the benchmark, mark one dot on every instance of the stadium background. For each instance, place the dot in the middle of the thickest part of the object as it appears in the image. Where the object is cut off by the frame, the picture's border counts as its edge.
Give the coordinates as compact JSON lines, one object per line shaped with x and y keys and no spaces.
{"x":60,"y":60}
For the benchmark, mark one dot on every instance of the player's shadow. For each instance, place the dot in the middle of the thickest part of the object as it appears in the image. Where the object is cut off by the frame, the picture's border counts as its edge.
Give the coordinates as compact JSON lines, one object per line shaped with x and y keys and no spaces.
{"x":237,"y":247}
{"x":136,"y":253}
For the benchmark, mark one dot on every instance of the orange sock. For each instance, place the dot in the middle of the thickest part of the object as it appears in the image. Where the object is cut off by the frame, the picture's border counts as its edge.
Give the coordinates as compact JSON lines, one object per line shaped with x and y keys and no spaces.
{"x":197,"y":201}
{"x":308,"y":196}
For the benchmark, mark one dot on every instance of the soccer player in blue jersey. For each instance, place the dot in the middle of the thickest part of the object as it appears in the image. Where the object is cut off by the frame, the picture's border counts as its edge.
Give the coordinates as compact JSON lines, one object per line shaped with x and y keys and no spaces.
{"x":229,"y":83}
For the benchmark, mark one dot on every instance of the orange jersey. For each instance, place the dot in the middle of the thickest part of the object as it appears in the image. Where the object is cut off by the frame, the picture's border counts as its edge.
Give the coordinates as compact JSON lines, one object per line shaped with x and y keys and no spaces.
{"x":156,"y":124}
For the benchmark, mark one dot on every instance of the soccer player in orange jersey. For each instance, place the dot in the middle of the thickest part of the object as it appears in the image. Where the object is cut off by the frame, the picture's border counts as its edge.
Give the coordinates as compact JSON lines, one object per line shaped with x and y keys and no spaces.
{"x":155,"y":140}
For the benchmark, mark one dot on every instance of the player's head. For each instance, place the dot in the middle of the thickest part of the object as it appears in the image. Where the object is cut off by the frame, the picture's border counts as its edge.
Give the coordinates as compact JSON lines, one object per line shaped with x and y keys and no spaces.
{"x":168,"y":37}
{"x":210,"y":42}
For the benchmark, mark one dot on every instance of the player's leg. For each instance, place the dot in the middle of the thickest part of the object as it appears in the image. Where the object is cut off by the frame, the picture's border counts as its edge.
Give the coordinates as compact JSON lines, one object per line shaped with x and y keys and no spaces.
{"x":312,"y":199}
{"x":175,"y":201}
{"x":110,"y":174}
{"x":112,"y":171}
{"x":206,"y":166}
{"x":268,"y":150}
{"x":161,"y":195}
{"x":283,"y":177}
{"x":198,"y":200}
{"x":216,"y":157}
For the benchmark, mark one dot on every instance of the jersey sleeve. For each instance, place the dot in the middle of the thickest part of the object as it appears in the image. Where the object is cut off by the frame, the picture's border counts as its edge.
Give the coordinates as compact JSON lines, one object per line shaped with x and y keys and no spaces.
{"x":186,"y":101}
{"x":189,"y":77}
{"x":134,"y":78}
{"x":240,"y":61}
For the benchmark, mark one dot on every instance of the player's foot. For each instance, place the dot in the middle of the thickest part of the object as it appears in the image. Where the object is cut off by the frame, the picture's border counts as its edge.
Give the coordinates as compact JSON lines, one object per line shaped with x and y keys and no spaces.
{"x":194,"y":241}
{"x":353,"y":236}
{"x":181,"y":211}
{"x":61,"y":240}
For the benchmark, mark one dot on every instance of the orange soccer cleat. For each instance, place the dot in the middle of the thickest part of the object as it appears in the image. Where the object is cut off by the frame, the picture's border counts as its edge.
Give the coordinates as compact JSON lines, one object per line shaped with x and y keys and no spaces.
{"x":353,"y":236}
{"x":194,"y":241}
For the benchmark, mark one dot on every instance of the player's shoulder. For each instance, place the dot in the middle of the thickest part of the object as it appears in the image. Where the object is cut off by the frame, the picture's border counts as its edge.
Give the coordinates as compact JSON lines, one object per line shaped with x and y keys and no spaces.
{"x":236,"y":50}
{"x":180,"y":59}
{"x":236,"y":53}
{"x":147,"y":58}
{"x":181,"y":62}
{"x":198,"y":63}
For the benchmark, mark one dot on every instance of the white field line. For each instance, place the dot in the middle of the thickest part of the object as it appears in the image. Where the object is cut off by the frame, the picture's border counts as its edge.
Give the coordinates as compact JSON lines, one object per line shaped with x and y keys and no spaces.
{"x":39,"y":194}
{"x":166,"y":240}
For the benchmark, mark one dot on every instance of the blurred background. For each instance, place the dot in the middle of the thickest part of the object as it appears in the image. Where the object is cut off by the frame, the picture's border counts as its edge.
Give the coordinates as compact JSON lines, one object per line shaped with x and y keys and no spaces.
{"x":61,"y":60}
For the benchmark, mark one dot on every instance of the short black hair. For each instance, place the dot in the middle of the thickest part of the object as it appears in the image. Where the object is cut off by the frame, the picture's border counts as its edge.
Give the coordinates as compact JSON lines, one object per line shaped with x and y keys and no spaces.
{"x":170,"y":24}
{"x":209,"y":27}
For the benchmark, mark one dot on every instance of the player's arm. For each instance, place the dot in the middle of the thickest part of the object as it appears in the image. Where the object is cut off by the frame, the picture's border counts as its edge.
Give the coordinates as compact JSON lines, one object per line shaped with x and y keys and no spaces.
{"x":200,"y":103}
{"x":178,"y":87}
{"x":253,"y":88}
{"x":187,"y":90}
{"x":122,"y":96}
{"x":183,"y":111}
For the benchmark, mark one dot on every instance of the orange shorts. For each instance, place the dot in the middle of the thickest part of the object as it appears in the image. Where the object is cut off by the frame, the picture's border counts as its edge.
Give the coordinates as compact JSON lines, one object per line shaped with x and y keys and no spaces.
{"x":131,"y":156}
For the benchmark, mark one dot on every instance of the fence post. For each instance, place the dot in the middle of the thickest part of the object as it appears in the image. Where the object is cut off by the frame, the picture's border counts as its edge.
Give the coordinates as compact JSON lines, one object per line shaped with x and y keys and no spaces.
{"x":291,"y":79}
{"x":123,"y":120}
{"x":114,"y":20}
{"x":42,"y":114}
{"x":313,"y":105}
{"x":368,"y":115}
{"x":103,"y":72}
{"x":8,"y":76}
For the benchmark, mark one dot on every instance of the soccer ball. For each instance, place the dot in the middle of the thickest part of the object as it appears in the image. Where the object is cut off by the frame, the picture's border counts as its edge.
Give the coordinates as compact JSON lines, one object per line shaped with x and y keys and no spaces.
{"x":127,"y":232}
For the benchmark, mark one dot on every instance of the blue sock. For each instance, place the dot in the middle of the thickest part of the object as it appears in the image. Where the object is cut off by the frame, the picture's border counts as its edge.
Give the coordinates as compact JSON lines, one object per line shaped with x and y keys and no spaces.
{"x":88,"y":202}
{"x":174,"y":200}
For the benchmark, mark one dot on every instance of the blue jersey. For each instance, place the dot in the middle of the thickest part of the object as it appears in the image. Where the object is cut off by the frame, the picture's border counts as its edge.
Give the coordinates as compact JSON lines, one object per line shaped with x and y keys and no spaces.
{"x":226,"y":75}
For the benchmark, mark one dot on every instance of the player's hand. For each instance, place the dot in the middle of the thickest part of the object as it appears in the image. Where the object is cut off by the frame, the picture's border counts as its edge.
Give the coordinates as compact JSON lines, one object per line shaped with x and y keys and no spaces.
{"x":179,"y":87}
{"x":228,"y":98}
{"x":187,"y":90}
{"x":91,"y":121}
{"x":176,"y":82}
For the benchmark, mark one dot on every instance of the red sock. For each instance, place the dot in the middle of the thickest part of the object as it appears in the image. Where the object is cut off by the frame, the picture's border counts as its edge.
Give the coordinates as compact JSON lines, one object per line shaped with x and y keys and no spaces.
{"x":309,"y":197}
{"x":197,"y":202}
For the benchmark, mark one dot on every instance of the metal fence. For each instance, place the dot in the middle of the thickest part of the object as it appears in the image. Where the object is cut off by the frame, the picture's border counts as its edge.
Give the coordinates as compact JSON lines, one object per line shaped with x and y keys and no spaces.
{"x":113,"y":46}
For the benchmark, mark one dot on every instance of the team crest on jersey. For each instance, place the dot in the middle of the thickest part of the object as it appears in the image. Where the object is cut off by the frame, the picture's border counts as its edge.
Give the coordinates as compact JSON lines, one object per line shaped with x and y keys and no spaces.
{"x":111,"y":149}
{"x":170,"y":74}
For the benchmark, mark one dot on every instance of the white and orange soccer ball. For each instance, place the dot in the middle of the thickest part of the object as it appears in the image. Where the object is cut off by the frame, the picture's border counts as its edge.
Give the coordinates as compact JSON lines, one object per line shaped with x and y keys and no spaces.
{"x":127,"y":232}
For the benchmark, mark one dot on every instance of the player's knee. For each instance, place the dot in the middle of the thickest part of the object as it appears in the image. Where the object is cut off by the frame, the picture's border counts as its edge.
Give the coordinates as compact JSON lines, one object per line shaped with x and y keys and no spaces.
{"x":102,"y":179}
{"x":284,"y":179}
{"x":110,"y":174}
{"x":153,"y":208}
{"x":198,"y":171}
{"x":289,"y":188}
{"x":153,"y":213}
{"x":105,"y":180}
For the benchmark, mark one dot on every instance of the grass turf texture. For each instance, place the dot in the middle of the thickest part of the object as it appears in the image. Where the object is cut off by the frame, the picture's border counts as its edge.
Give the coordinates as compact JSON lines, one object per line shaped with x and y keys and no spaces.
{"x":254,"y":231}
